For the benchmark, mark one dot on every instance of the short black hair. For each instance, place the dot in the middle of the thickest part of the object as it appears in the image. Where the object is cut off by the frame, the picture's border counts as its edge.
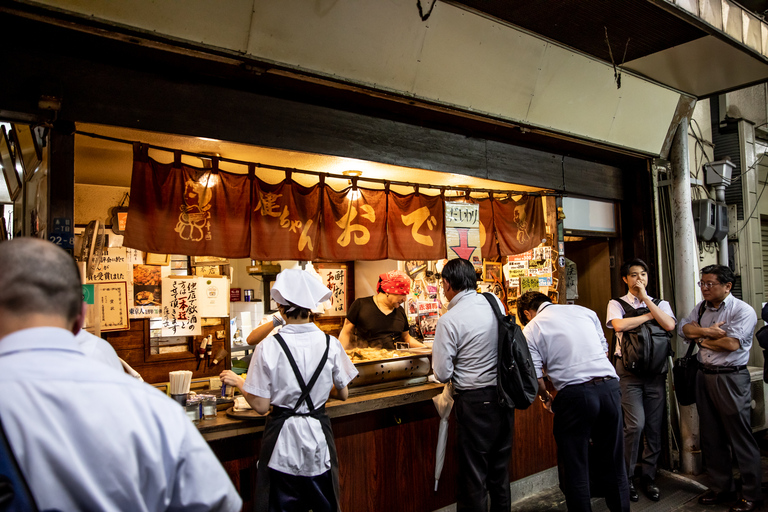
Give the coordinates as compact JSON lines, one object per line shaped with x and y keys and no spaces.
{"x":529,"y":301}
{"x":637,"y":262}
{"x":297,"y":312}
{"x":460,"y":274}
{"x":724,"y":274}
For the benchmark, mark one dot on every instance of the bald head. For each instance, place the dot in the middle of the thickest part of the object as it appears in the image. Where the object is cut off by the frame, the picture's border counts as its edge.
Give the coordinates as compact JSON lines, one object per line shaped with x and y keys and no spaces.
{"x":38,"y":278}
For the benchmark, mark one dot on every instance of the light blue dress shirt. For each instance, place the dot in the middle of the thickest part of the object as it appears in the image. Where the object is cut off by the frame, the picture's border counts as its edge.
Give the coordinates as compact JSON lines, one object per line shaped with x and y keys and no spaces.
{"x":569,"y":342}
{"x":740,"y":320}
{"x":466,"y":342}
{"x":90,"y":438}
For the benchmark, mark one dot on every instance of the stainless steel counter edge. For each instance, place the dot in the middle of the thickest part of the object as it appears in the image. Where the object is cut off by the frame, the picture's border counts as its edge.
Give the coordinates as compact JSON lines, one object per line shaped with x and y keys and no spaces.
{"x":224,"y":426}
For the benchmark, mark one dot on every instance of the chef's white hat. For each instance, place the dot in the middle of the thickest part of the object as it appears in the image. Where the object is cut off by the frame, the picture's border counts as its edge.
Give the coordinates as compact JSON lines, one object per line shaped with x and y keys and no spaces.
{"x":295,"y":286}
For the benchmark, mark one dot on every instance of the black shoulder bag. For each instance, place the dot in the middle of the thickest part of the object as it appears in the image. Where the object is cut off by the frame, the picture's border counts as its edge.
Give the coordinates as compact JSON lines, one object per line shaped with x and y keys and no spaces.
{"x":685,"y":370}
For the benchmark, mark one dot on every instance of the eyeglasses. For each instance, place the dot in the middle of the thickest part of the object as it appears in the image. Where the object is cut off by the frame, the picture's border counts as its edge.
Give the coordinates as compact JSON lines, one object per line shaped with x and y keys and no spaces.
{"x":708,"y":284}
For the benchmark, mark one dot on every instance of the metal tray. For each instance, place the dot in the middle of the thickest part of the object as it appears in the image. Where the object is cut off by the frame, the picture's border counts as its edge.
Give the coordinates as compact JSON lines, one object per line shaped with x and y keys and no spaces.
{"x":396,"y":368}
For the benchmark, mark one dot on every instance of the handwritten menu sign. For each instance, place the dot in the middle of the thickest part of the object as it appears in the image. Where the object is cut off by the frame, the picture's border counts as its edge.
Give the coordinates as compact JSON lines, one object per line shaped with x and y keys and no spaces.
{"x":113,"y":266}
{"x":335,"y":279}
{"x":462,"y":232}
{"x":113,"y":306}
{"x":181,"y":313}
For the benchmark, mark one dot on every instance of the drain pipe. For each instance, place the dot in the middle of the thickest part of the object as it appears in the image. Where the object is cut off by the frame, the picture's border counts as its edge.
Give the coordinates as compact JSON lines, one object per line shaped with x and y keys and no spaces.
{"x":722,"y":253}
{"x":686,"y":270}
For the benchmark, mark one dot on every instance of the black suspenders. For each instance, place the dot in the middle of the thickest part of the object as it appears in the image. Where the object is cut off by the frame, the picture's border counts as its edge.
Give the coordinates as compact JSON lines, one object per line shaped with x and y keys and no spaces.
{"x":305,"y":388}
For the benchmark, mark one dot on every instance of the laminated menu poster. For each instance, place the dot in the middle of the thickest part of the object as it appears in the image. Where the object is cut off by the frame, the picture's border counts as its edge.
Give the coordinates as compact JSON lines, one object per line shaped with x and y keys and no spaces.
{"x":429,"y":312}
{"x":146,"y":291}
{"x":181,"y":307}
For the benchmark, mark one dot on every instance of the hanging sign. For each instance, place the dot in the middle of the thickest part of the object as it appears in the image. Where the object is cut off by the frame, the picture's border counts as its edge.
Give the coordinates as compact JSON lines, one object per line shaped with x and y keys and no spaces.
{"x":335,"y":279}
{"x":181,"y":309}
{"x":462,"y":232}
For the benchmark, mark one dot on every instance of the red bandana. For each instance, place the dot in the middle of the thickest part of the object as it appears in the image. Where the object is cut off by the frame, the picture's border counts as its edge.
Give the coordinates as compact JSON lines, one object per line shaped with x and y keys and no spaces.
{"x":395,"y":282}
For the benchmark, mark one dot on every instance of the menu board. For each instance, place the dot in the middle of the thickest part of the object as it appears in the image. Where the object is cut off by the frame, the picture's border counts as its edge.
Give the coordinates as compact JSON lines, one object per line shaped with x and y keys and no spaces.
{"x":335,"y":279}
{"x":180,"y":309}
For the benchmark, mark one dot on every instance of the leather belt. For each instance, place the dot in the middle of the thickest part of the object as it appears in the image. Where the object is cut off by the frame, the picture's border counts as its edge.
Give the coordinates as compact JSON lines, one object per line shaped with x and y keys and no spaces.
{"x":711,"y":369}
{"x":596,"y":380}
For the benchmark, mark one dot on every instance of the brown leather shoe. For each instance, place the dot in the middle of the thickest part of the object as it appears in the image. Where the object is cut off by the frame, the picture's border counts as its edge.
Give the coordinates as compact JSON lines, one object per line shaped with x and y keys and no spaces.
{"x":712,"y":497}
{"x":745,"y":506}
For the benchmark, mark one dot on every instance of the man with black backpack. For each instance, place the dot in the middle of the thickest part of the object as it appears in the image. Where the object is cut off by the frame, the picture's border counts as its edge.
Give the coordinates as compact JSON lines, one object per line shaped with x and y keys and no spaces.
{"x":643,"y":329}
{"x":465,"y":352}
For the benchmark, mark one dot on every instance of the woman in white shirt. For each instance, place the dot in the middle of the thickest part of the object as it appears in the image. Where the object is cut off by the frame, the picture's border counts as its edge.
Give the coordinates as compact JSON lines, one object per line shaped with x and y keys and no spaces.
{"x":294,"y":372}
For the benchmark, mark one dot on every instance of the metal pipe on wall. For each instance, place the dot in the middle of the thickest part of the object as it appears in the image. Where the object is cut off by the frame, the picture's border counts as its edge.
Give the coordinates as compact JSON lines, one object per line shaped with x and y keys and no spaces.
{"x":722,"y":253}
{"x":686,"y":271}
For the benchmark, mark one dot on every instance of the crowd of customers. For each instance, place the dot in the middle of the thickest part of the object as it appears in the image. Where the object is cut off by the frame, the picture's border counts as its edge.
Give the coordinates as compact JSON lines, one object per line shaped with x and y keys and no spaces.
{"x":90,"y":437}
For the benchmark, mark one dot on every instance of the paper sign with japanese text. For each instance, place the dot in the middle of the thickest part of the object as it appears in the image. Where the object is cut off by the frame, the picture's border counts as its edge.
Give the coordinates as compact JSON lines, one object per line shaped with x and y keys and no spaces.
{"x":113,"y":306}
{"x":213,"y":296}
{"x":181,"y":309}
{"x":335,"y":279}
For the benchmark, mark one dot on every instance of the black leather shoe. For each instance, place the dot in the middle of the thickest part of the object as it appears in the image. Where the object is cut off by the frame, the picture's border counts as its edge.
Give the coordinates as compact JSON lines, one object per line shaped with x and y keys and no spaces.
{"x":712,"y":497}
{"x":650,"y":489}
{"x":745,"y":506}
{"x":633,"y":496}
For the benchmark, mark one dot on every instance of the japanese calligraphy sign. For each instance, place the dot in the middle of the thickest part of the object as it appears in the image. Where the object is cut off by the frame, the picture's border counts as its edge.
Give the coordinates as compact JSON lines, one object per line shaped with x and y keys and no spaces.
{"x":113,"y":266}
{"x":180,"y":311}
{"x":354,"y":225}
{"x":112,"y":306}
{"x":462,"y":231}
{"x":519,"y":225}
{"x":284,"y":221}
{"x":416,"y":227}
{"x":178,"y":209}
{"x":335,"y":279}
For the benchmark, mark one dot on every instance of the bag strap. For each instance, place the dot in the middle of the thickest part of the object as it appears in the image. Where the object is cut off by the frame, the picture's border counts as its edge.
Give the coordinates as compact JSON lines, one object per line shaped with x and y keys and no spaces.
{"x":692,"y":345}
{"x":305,"y":388}
{"x":494,"y":305}
{"x":627,"y":308}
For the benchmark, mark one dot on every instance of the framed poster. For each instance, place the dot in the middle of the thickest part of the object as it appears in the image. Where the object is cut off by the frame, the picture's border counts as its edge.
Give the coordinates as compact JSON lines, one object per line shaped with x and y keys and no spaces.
{"x":113,"y":305}
{"x":491,"y":271}
{"x":158,"y":259}
{"x":12,"y":179}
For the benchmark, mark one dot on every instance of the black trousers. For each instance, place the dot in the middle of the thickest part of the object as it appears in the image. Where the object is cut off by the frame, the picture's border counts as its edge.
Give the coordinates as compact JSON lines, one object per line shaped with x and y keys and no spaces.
{"x":723,"y":401}
{"x":290,"y":493}
{"x":584,"y":412}
{"x":484,"y":447}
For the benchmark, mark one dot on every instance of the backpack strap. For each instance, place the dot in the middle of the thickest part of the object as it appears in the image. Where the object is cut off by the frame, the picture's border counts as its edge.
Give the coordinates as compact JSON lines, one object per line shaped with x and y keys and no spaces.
{"x":692,"y":345}
{"x":627,"y":307}
{"x":492,"y":301}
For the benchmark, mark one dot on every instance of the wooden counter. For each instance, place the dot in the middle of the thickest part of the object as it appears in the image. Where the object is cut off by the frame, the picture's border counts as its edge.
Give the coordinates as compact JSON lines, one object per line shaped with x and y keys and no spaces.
{"x":386,"y":446}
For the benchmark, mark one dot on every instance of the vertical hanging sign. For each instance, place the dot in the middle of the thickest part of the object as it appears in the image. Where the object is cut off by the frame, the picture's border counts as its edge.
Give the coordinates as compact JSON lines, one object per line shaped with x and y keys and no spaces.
{"x":462,"y":232}
{"x":181,"y":310}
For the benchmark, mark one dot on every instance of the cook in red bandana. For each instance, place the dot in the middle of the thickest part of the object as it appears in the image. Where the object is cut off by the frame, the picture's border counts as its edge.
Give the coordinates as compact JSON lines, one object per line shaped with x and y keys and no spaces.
{"x":380,"y":321}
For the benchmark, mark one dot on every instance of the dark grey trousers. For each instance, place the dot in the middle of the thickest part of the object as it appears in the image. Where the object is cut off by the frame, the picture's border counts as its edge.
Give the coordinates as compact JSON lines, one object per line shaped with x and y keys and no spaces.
{"x":642,"y":402}
{"x":723,"y":401}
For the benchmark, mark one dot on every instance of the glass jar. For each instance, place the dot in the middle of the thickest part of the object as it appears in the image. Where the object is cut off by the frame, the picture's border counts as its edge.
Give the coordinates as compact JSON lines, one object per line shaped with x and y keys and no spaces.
{"x":193,"y":409}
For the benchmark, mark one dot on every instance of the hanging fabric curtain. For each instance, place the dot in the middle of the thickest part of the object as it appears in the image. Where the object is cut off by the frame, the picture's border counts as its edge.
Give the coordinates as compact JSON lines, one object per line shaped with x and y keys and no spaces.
{"x":179,"y":209}
{"x":416,"y":227}
{"x":354,"y":225}
{"x":488,"y":244}
{"x":285,"y":220}
{"x":519,"y":225}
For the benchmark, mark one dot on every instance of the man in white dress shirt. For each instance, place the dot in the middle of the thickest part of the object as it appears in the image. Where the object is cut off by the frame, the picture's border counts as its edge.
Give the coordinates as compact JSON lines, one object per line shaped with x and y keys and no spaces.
{"x":85,"y":436}
{"x":642,"y":396}
{"x":568,"y":341}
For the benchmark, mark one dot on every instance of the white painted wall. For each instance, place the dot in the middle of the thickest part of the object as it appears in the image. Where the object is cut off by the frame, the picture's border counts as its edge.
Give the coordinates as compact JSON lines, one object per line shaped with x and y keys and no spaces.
{"x":456,"y":58}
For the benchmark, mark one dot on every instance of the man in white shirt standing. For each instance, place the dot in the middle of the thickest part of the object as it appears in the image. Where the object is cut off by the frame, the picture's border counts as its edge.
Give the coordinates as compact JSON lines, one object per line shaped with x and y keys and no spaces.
{"x":85,"y":436}
{"x":465,"y":352}
{"x":723,"y":327}
{"x":568,"y":341}
{"x":642,"y":396}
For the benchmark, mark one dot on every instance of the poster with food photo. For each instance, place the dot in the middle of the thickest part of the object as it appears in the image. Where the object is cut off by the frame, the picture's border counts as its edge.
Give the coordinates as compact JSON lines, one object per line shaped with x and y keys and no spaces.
{"x":147,"y":291}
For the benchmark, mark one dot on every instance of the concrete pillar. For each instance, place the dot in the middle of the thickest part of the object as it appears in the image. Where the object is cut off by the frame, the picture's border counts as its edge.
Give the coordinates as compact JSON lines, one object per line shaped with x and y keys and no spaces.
{"x":686,"y":274}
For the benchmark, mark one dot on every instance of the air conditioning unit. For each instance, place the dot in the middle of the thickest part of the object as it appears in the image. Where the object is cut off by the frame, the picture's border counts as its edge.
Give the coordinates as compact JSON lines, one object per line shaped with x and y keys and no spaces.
{"x":757,"y":417}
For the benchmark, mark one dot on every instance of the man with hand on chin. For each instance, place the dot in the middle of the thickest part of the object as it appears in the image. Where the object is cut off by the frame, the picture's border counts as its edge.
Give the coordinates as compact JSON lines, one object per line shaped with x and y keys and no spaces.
{"x":642,"y":396}
{"x":723,"y":326}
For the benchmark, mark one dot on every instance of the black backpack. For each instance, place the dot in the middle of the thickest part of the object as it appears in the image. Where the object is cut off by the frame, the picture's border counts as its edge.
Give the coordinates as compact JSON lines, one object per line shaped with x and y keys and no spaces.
{"x":516,"y":381}
{"x":644,"y":349}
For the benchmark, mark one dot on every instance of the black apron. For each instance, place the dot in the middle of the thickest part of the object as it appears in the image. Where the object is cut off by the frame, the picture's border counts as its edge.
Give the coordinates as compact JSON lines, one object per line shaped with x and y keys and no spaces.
{"x":275,"y":422}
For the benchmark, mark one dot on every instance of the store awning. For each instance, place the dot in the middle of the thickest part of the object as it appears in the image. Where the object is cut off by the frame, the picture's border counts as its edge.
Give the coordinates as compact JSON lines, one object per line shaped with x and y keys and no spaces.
{"x":701,"y":47}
